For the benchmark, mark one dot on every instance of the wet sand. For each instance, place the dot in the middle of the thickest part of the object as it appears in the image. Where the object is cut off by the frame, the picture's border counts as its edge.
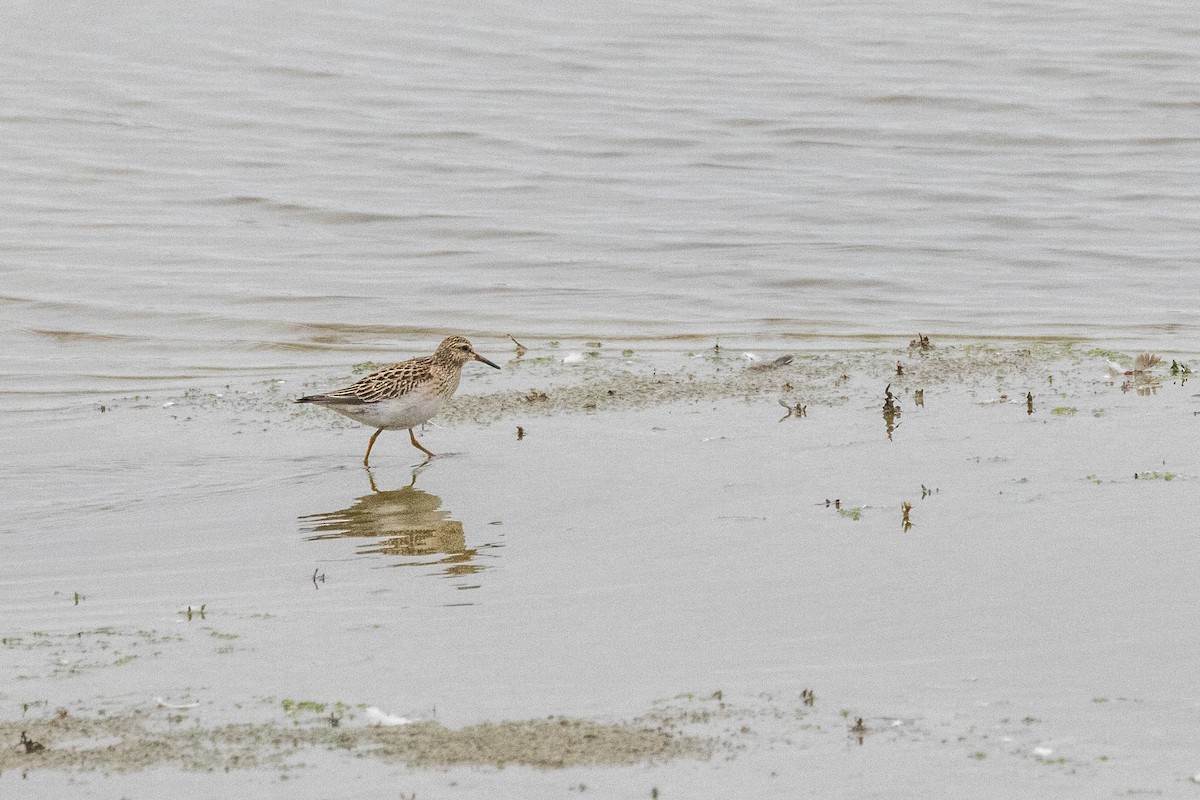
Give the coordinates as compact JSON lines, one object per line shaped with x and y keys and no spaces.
{"x":622,"y":575}
{"x":138,"y":740}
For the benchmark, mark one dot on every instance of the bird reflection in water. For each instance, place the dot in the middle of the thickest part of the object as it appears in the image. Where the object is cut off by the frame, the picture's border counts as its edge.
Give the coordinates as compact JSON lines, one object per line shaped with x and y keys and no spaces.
{"x":405,"y":522}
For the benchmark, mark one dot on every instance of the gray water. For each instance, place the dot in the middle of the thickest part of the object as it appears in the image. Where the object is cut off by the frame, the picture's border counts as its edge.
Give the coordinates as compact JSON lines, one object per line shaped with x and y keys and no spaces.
{"x":222,"y":190}
{"x":207,"y":209}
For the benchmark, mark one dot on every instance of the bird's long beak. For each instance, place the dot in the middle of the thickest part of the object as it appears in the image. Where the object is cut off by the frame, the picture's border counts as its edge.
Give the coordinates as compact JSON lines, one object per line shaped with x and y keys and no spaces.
{"x":484,"y":360}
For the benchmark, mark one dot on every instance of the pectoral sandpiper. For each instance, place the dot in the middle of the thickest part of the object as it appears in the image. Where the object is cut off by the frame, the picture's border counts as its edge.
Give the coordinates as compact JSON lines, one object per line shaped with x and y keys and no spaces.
{"x":403,"y":395}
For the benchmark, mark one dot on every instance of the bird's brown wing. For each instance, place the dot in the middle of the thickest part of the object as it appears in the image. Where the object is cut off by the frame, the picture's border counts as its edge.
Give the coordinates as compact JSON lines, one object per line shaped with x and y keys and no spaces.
{"x":388,"y":383}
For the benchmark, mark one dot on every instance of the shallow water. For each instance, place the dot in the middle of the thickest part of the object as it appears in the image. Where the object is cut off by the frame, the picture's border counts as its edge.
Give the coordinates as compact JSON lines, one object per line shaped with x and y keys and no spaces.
{"x":208,"y":211}
{"x":607,"y":560}
{"x":218,"y":190}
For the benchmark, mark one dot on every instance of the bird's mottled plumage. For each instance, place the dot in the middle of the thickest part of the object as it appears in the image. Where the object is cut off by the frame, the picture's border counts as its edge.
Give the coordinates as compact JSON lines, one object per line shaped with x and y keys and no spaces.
{"x":403,"y":395}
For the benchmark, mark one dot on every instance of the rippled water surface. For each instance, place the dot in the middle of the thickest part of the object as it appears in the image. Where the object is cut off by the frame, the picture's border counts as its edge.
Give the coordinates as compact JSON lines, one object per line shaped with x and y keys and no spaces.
{"x":216,"y":187}
{"x":208,"y":209}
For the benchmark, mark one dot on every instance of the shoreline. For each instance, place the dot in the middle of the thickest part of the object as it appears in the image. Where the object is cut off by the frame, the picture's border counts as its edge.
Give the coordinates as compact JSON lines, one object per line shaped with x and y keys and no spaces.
{"x":948,"y":574}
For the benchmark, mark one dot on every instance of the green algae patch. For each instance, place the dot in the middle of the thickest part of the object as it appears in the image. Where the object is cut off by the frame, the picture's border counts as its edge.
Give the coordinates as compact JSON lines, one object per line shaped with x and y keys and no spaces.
{"x":137,"y":740}
{"x":553,"y":743}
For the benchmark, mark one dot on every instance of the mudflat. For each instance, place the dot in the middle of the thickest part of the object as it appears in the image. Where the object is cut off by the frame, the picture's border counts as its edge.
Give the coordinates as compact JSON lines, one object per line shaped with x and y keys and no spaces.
{"x":630,"y":572}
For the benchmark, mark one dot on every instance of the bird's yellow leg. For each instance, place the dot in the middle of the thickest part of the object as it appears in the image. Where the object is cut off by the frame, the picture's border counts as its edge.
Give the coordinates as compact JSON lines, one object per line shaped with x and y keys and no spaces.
{"x":370,"y":444}
{"x":417,"y":444}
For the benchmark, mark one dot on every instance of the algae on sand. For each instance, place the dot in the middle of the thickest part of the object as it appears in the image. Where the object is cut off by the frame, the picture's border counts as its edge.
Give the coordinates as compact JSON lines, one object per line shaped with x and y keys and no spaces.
{"x":135,"y":740}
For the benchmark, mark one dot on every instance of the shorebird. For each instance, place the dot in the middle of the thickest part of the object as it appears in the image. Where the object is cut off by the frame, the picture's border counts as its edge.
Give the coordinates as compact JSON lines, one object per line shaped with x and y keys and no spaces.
{"x":403,"y":395}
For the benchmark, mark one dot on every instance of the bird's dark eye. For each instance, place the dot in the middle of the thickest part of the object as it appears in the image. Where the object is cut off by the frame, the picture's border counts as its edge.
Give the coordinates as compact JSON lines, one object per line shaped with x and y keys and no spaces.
{"x":466,"y":348}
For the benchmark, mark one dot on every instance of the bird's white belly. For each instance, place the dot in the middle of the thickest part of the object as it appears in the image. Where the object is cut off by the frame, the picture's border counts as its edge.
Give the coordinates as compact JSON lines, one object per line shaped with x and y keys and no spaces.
{"x":408,"y":411}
